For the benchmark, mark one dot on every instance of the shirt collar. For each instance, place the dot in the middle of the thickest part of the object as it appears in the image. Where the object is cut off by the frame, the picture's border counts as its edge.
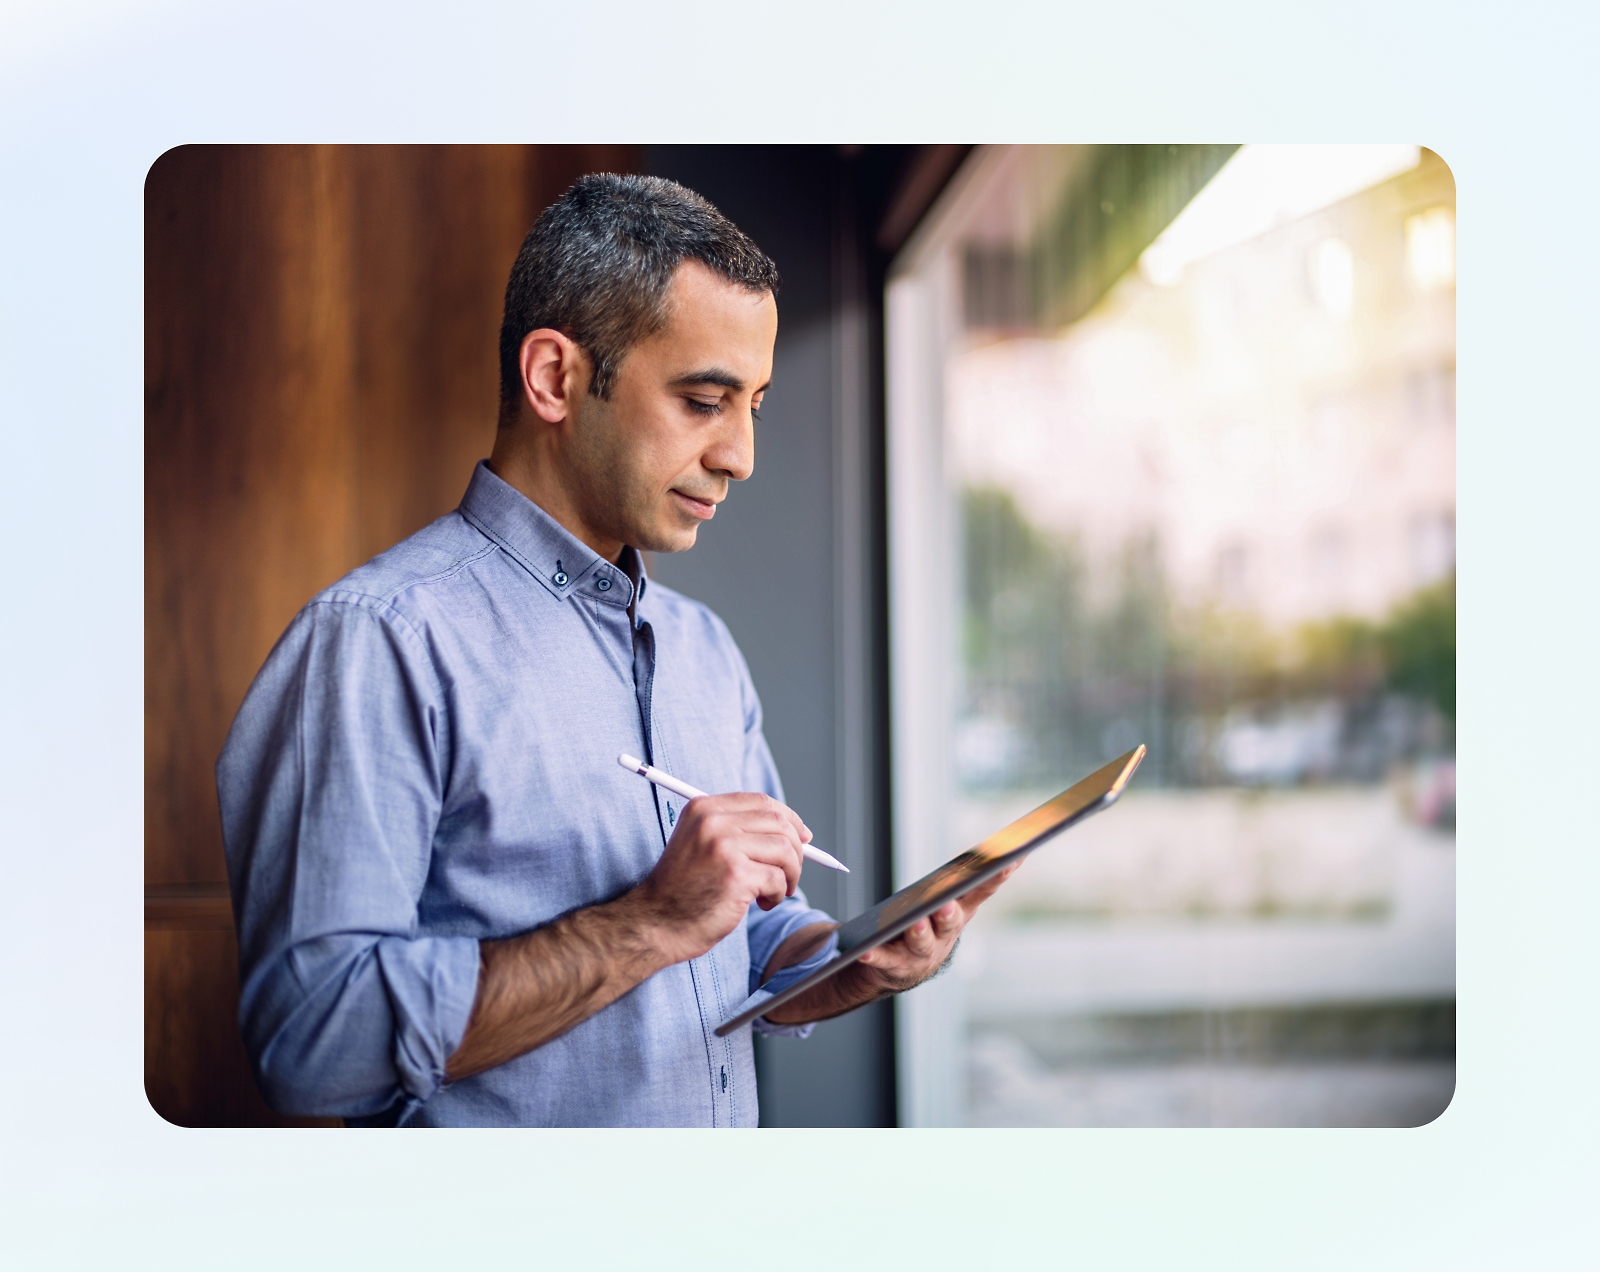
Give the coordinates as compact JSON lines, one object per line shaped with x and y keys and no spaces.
{"x":562,"y":564}
{"x":631,"y":563}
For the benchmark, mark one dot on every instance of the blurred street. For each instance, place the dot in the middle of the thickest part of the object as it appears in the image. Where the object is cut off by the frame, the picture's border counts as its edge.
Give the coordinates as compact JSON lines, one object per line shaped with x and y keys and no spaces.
{"x":1289,"y":959}
{"x":1011,"y":1088}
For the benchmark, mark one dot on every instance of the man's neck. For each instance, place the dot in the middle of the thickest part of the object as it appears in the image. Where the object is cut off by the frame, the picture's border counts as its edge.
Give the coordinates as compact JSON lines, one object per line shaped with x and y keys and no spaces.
{"x":538,"y":477}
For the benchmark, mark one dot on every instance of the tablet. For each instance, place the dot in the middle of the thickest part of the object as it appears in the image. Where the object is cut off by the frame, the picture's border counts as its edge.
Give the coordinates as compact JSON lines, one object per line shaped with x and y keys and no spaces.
{"x":958,"y":876}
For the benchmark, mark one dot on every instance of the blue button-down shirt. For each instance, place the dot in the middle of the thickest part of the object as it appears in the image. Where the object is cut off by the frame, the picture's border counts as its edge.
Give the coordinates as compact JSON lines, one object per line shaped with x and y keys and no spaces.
{"x":428,"y":759}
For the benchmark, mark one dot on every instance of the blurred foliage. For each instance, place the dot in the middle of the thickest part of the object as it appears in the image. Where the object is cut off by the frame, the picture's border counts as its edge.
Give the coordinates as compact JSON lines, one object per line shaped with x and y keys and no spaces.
{"x":1077,"y":660}
{"x":1412,"y":652}
{"x":1419,"y":646}
{"x":1338,"y":655}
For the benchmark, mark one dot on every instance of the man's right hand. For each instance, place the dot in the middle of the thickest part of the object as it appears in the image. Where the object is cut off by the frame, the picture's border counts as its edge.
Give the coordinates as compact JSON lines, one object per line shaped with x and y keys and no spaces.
{"x":726,"y":851}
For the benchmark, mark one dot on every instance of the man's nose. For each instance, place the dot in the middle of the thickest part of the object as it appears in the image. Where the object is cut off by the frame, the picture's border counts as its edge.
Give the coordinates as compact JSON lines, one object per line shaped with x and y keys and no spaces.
{"x":734,"y":452}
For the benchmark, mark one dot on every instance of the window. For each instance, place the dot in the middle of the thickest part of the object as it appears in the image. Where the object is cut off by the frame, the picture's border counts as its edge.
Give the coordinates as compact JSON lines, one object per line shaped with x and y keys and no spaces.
{"x":1144,"y":490}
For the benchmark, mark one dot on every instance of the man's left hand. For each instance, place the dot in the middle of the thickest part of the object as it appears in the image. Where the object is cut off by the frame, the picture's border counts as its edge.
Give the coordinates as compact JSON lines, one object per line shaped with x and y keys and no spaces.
{"x":916,"y":954}
{"x":922,"y":950}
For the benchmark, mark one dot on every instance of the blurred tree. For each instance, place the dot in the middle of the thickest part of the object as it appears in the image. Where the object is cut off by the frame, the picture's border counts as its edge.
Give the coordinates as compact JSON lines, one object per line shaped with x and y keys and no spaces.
{"x":1419,"y":646}
{"x":1077,"y":671}
{"x":1340,"y":655}
{"x":1072,"y":675}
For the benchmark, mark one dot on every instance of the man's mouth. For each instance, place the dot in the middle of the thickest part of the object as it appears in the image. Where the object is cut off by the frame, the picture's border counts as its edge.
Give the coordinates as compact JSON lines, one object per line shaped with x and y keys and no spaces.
{"x":704,"y":509}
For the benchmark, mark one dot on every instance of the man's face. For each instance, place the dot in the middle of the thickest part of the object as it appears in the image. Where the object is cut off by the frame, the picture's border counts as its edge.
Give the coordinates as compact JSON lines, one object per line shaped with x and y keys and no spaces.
{"x":652,"y":463}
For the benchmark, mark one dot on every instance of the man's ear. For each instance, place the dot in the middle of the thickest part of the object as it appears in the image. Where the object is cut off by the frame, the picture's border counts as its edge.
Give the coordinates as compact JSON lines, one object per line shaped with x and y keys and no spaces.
{"x":554,"y":373}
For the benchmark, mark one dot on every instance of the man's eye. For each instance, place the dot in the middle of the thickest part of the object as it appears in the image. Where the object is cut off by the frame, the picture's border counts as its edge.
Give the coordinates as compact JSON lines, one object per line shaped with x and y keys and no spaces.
{"x":704,"y":408}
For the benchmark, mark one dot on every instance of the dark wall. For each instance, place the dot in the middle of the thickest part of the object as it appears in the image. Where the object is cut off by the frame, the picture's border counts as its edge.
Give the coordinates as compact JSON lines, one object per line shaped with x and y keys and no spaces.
{"x":766,"y":563}
{"x":794,"y":563}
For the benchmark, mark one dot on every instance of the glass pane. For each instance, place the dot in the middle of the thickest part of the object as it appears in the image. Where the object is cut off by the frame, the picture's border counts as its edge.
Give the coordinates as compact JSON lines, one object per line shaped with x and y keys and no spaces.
{"x":1200,"y":487}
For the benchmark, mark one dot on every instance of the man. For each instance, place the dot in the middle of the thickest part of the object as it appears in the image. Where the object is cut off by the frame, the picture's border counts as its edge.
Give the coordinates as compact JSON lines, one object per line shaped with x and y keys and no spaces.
{"x":454,"y":908}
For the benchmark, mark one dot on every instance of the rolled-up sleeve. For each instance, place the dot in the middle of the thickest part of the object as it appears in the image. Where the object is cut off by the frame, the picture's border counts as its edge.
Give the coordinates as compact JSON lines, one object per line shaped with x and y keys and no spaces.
{"x":330,"y":786}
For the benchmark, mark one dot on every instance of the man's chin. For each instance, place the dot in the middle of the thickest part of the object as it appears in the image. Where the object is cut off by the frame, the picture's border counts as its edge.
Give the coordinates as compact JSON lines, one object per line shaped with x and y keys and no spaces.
{"x":675,"y":540}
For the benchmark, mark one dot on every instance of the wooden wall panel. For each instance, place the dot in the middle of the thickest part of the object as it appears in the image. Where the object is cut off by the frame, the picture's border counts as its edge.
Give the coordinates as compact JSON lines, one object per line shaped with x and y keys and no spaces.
{"x":249,"y":453}
{"x":439,"y":229}
{"x":320,"y":378}
{"x":196,"y":1070}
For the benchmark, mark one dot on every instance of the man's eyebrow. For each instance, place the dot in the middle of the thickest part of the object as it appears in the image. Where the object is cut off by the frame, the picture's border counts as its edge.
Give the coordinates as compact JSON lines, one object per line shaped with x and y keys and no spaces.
{"x":714,"y":375}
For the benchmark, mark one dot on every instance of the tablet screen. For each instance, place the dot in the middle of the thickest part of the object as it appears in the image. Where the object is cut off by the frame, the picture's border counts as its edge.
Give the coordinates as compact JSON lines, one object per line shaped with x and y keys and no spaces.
{"x":960,"y":875}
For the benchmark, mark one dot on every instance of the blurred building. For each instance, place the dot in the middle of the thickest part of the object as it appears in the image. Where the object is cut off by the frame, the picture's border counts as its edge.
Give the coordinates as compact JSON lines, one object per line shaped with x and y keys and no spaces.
{"x":1279,"y":416}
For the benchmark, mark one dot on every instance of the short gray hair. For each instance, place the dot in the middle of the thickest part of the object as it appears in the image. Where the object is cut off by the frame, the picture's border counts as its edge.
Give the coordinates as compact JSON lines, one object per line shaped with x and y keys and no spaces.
{"x":597,"y":264}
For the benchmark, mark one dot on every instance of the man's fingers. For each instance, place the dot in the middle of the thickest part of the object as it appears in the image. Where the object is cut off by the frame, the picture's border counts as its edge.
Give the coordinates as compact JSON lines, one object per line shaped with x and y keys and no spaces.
{"x":947,"y":920}
{"x":771,"y":818}
{"x":749,"y":828}
{"x":972,"y":900}
{"x":775,"y":850}
{"x":792,"y":817}
{"x":918,"y":938}
{"x":916,"y":944}
{"x":748,"y":802}
{"x":772,"y":885}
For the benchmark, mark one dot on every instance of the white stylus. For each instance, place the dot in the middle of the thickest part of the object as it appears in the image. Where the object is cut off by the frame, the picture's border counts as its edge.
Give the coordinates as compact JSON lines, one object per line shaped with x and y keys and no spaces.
{"x":667,"y":782}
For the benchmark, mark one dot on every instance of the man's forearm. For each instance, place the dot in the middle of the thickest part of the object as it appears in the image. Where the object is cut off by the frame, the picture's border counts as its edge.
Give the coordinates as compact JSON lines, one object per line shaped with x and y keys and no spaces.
{"x":534,"y":987}
{"x":727,"y":853}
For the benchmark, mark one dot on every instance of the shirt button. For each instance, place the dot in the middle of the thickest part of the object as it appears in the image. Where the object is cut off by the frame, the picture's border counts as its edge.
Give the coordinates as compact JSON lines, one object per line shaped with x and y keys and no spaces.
{"x":603,"y":583}
{"x":561,"y":578}
{"x":724,"y":1077}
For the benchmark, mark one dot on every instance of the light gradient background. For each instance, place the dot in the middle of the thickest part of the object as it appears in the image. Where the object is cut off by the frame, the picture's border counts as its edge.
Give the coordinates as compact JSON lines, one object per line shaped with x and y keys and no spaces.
{"x":91,"y":93}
